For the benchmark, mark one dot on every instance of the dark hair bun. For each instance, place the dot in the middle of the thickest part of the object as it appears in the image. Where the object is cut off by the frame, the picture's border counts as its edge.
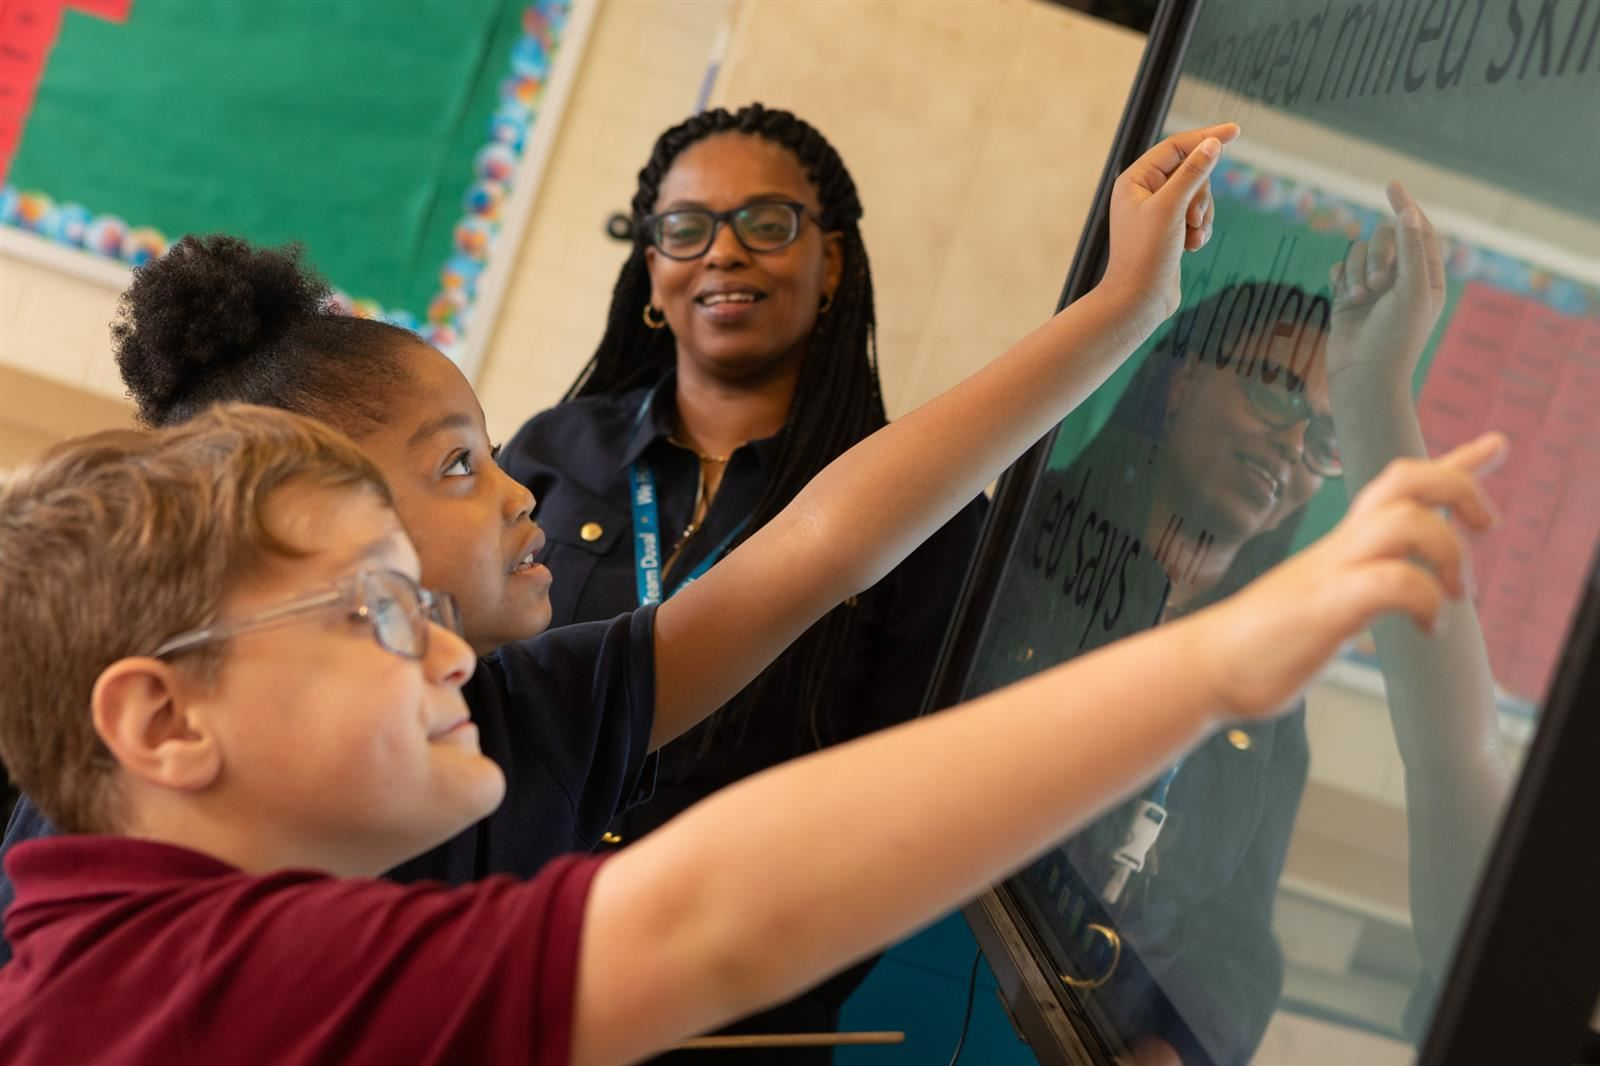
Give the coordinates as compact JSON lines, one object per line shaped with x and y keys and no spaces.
{"x":201,"y":309}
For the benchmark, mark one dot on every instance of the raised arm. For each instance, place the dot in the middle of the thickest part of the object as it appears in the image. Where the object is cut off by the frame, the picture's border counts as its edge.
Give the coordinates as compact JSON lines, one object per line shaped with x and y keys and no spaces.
{"x":793,"y":873}
{"x":1387,"y":297}
{"x":869,"y":508}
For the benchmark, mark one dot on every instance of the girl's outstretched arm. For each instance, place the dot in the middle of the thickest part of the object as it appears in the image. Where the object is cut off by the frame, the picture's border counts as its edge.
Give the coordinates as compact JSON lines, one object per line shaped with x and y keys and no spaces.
{"x":869,"y":508}
{"x":771,"y":884}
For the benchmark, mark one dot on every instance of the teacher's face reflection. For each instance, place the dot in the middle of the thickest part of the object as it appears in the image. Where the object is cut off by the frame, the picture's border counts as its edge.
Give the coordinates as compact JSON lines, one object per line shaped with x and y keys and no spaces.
{"x":1242,"y":473}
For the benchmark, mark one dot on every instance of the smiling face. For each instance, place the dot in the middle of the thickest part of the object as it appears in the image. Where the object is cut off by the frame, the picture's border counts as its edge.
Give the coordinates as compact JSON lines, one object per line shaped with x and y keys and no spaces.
{"x":1239,"y":475}
{"x":351,"y":759}
{"x":739,"y":315}
{"x":471,"y":522}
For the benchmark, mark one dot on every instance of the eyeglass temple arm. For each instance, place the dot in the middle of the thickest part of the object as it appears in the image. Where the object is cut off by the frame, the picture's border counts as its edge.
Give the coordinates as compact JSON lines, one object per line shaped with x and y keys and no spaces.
{"x":269,"y":617}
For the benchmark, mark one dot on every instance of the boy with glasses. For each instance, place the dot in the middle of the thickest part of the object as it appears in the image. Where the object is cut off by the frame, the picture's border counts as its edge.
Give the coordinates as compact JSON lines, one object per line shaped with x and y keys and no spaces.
{"x":226,"y":688}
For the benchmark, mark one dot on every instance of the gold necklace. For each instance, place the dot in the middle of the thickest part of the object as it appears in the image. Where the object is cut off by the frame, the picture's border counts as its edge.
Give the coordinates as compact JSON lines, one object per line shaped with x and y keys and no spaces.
{"x":702,"y":504}
{"x":698,"y":454}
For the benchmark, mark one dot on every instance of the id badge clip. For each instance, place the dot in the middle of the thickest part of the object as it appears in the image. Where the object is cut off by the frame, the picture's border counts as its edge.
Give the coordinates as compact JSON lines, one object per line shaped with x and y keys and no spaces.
{"x":1143,"y":828}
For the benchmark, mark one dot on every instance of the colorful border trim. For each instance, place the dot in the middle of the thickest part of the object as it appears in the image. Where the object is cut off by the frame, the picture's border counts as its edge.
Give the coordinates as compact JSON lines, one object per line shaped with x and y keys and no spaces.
{"x":444,"y":322}
{"x":1304,"y":203}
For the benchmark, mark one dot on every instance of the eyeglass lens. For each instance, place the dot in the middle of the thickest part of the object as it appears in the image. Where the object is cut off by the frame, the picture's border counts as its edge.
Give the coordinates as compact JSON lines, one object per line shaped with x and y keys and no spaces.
{"x":1280,"y":408}
{"x":762,"y":227}
{"x":400,"y":612}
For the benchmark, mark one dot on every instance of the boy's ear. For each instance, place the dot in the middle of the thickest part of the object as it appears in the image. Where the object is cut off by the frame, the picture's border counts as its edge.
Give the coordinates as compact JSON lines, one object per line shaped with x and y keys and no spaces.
{"x":144,"y":712}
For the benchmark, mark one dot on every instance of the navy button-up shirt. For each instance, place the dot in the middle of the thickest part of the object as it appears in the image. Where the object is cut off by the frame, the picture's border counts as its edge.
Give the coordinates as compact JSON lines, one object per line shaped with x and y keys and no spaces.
{"x":575,"y":459}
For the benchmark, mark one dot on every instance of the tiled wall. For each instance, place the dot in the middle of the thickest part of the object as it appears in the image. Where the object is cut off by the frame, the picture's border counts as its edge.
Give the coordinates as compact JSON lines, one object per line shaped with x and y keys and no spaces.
{"x":56,"y":372}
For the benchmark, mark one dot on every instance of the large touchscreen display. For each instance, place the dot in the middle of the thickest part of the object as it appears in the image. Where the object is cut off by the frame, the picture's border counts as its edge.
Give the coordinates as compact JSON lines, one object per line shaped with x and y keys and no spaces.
{"x":1406,"y":252}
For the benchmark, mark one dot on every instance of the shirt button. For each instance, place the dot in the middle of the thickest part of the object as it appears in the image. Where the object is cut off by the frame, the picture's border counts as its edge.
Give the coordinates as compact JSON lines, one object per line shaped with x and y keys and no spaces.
{"x":591,"y":531}
{"x":1239,"y":739}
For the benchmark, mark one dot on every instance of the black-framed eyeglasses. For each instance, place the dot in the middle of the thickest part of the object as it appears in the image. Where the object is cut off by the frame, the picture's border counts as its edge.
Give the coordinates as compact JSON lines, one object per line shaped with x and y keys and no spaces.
{"x":764,"y":226}
{"x":396,"y":607}
{"x":1282,"y":408}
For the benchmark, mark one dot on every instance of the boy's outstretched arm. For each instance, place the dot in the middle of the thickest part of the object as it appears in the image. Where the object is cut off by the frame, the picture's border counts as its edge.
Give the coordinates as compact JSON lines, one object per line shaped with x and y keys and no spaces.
{"x":873,"y":505}
{"x":775,"y":882}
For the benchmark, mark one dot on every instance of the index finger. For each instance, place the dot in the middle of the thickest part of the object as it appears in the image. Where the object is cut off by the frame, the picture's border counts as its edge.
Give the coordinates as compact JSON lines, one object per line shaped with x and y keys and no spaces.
{"x":1431,"y":485}
{"x":1450,"y":481}
{"x":1167,"y":156}
{"x":1419,"y":244}
{"x":1400,"y":198}
{"x":1480,"y":456}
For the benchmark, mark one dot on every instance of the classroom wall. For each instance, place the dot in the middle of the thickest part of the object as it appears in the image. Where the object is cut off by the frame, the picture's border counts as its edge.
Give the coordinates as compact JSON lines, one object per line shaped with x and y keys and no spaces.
{"x":642,"y":70}
{"x":976,"y":137}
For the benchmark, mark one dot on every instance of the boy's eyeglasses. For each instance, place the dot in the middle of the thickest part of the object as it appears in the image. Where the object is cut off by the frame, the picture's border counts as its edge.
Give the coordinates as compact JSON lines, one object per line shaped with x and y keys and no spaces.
{"x":1280,"y":408}
{"x":396,"y":607}
{"x":689,"y":232}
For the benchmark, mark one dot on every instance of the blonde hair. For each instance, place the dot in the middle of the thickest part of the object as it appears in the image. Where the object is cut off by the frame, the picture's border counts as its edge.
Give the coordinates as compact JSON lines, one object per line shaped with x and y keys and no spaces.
{"x":111,"y":544}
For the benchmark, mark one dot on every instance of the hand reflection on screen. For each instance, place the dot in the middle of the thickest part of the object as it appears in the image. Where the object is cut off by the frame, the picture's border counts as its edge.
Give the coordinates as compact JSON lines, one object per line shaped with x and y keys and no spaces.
{"x":1388,"y":293}
{"x":1210,"y":457}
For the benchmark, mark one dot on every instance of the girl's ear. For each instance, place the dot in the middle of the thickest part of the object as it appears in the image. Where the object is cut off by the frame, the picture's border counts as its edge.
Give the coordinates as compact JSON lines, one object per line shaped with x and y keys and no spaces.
{"x":144,"y":713}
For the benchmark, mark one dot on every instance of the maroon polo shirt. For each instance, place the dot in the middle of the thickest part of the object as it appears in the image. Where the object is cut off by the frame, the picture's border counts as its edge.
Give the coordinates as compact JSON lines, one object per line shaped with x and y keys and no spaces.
{"x":131,"y":952}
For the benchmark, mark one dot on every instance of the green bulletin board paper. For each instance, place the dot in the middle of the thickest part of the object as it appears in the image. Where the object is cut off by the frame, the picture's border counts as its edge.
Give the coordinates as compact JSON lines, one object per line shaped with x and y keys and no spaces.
{"x":348,"y":125}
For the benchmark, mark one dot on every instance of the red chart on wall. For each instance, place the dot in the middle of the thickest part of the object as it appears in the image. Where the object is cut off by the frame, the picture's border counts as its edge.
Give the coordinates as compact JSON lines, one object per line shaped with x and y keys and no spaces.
{"x":1512,"y":363}
{"x":28,"y":30}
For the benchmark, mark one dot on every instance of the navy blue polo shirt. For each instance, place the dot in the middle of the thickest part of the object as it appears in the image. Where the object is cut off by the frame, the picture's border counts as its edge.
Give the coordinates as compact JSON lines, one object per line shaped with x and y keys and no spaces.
{"x":567,"y":715}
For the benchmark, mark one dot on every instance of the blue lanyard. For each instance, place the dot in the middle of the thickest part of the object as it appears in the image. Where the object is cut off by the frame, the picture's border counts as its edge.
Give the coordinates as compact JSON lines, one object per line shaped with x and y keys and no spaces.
{"x":1158,"y":791}
{"x":647,"y":539}
{"x":647,"y":531}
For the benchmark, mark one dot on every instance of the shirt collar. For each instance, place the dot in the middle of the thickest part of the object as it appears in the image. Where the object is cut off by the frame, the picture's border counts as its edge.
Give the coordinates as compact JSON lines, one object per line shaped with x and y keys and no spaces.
{"x":653,"y":421}
{"x":65,"y":870}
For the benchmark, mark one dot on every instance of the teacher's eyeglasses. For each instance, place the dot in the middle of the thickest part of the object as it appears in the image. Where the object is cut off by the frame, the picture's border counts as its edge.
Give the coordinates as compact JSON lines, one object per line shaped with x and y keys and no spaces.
{"x":689,"y":232}
{"x":396,"y":607}
{"x":1281,"y":408}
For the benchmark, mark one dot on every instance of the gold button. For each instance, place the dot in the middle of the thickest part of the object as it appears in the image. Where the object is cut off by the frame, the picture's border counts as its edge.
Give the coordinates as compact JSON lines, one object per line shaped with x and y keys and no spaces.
{"x":607,"y":838}
{"x":591,"y":531}
{"x":1239,"y":739}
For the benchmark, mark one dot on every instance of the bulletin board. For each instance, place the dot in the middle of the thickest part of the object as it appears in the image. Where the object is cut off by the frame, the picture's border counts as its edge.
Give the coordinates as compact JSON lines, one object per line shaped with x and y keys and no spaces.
{"x":399,"y":142}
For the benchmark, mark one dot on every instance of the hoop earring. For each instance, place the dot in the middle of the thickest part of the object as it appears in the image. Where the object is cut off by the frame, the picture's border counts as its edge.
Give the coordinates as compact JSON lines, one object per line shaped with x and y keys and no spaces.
{"x":827,"y":302}
{"x":660,"y":319}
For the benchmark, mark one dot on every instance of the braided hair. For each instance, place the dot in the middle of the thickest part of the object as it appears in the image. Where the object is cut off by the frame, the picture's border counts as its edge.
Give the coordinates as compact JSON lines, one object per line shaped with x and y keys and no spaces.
{"x":837,"y":400}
